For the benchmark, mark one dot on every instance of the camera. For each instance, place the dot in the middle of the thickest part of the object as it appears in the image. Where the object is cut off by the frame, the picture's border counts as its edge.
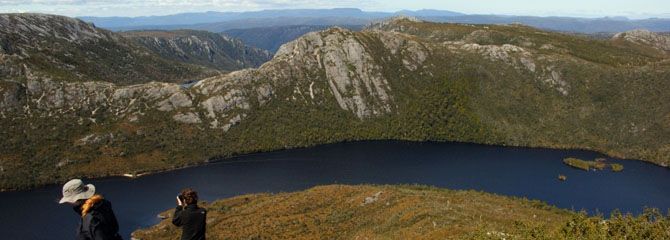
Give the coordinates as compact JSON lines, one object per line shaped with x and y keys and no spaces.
{"x":181,"y":197}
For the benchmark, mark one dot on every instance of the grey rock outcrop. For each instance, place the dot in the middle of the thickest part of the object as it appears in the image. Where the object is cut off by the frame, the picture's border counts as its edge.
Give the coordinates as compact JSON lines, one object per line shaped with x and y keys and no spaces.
{"x":187,"y":118}
{"x":350,"y":70}
{"x":644,"y":37}
{"x":93,"y":139}
{"x":372,"y":199}
{"x":391,"y":24}
{"x":29,"y":27}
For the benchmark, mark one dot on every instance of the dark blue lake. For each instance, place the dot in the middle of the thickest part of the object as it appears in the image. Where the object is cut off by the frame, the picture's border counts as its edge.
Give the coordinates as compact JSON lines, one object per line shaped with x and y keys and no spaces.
{"x":522,"y":172}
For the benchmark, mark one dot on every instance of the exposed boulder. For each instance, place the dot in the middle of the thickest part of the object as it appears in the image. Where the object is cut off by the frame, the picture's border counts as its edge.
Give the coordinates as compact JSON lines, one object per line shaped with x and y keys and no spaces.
{"x":94,"y":139}
{"x":187,"y":118}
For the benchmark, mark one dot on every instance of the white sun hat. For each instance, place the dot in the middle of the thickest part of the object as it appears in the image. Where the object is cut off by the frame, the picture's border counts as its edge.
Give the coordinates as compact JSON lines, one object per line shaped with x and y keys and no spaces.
{"x":75,"y":189}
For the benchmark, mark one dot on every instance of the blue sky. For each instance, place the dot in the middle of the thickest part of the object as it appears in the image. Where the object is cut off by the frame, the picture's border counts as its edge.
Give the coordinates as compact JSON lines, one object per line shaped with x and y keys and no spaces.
{"x":573,"y":8}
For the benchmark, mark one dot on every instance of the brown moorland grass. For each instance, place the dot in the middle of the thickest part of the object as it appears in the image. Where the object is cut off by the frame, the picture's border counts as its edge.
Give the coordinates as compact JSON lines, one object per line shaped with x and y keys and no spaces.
{"x":406,"y":212}
{"x":373,"y":212}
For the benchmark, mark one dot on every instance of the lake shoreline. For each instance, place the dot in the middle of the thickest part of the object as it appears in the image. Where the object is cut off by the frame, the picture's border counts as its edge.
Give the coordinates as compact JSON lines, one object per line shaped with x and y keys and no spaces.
{"x":220,"y":159}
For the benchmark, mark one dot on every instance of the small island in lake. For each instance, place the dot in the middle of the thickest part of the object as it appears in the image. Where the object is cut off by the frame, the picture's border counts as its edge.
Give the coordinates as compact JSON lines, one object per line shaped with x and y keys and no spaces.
{"x":598,"y":163}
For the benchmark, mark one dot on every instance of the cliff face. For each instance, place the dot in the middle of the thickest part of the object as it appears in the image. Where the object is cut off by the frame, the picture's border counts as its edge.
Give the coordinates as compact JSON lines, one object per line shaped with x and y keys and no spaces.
{"x":213,"y":50}
{"x":410,"y":80}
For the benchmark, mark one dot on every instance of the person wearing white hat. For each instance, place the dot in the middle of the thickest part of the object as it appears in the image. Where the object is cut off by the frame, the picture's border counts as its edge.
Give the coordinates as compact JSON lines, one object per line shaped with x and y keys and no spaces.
{"x":98,"y":221}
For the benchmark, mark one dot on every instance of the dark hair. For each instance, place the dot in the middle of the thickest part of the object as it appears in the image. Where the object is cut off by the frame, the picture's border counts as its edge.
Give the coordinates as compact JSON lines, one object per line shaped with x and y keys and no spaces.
{"x":190,"y":196}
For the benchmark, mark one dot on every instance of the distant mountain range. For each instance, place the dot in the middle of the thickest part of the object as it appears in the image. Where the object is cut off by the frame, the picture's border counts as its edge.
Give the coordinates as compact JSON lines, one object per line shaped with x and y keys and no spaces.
{"x":607,"y":24}
{"x":131,"y":23}
{"x":221,"y":21}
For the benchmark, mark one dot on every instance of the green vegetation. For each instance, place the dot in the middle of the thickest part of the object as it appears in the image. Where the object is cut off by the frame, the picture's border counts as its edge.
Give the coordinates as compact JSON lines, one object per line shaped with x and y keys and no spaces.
{"x":454,"y":95}
{"x":406,"y":212}
{"x":599,"y":163}
{"x":577,"y":163}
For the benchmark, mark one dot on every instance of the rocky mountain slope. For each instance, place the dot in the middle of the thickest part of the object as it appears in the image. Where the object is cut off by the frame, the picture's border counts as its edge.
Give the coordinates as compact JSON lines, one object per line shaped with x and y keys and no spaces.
{"x":213,"y":50}
{"x":404,"y":212}
{"x":399,"y":79}
{"x":68,"y":49}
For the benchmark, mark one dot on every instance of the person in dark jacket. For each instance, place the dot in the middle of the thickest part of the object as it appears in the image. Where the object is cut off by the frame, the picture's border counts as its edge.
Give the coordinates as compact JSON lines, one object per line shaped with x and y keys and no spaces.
{"x":98,"y":221}
{"x":189,"y":216}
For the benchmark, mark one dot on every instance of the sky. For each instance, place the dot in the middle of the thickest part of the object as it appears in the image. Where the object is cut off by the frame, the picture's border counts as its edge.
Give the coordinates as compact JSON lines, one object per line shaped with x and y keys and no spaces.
{"x":130,"y":8}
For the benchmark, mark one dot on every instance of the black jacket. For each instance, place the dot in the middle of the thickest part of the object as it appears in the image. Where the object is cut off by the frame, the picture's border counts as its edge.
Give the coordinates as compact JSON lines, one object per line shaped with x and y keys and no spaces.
{"x":99,"y":223}
{"x":192,"y":219}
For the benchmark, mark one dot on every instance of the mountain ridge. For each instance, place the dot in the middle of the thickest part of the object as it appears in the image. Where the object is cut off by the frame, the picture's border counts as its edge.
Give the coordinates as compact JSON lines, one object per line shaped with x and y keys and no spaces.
{"x":407,"y":80}
{"x":203,"y":48}
{"x":71,"y":49}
